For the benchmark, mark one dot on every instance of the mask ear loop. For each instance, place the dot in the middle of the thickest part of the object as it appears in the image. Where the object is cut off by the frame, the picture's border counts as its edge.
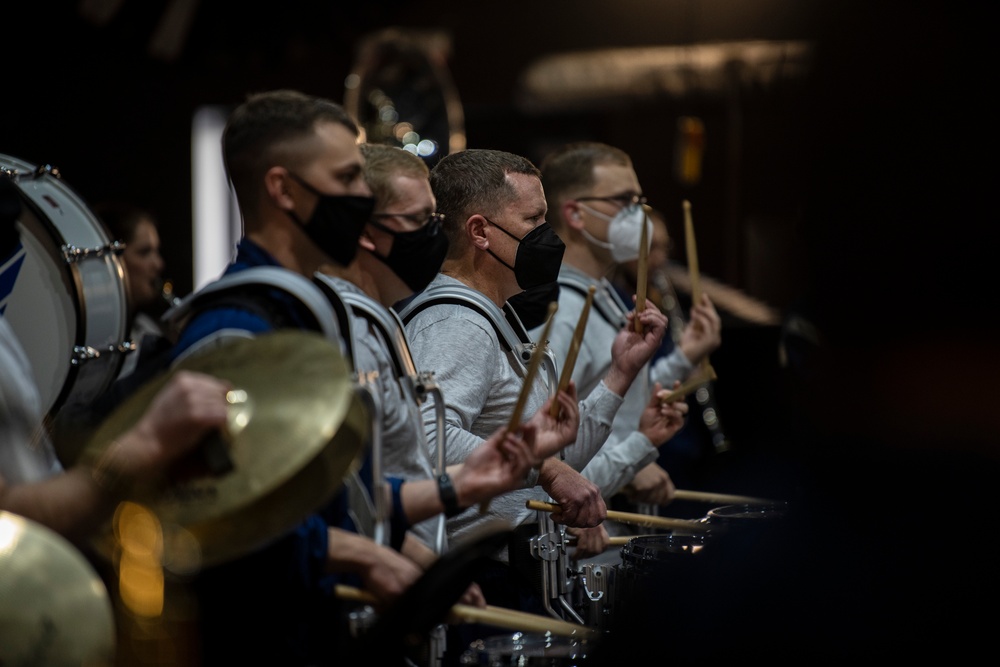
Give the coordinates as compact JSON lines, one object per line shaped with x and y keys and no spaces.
{"x":590,"y":237}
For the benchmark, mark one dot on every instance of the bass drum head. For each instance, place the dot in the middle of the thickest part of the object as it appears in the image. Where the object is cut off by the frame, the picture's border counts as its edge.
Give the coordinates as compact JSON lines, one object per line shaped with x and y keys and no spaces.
{"x":68,"y":308}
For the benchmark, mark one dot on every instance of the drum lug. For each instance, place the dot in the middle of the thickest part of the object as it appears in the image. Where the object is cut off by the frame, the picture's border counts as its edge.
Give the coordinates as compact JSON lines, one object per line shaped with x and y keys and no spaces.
{"x":82,"y":353}
{"x":593,"y":574}
{"x":72,"y":253}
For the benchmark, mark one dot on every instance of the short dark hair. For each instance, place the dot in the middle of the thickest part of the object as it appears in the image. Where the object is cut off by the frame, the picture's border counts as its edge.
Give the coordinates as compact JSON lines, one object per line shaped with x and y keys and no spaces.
{"x":382,"y":162}
{"x":568,"y":171}
{"x":475,"y":181}
{"x":121,"y":218}
{"x":267,"y":129}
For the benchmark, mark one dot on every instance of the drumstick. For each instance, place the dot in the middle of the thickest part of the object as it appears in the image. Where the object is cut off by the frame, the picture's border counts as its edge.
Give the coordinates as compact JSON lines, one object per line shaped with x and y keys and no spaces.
{"x":647,"y":520}
{"x":692,"y":254}
{"x":640,"y":277}
{"x":616,"y":541}
{"x":692,"y":259}
{"x":691,"y":384}
{"x":720,"y":498}
{"x":574,"y":349}
{"x":506,"y":618}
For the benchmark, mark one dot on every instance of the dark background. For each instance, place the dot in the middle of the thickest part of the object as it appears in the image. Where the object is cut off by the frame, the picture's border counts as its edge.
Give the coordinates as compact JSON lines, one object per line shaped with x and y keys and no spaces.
{"x":89,"y":99}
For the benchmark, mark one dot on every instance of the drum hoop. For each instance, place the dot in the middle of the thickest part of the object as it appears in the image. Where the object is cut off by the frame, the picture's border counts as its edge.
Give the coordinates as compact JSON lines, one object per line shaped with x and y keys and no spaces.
{"x":22,"y":172}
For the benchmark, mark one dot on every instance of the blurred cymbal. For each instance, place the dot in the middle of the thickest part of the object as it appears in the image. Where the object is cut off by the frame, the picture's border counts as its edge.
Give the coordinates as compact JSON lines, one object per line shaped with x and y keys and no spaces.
{"x":296,"y":428}
{"x":54,"y":608}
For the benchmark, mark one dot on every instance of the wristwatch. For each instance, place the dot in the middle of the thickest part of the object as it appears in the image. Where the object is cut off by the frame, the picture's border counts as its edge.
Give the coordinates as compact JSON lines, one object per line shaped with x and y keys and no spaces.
{"x":446,"y":490}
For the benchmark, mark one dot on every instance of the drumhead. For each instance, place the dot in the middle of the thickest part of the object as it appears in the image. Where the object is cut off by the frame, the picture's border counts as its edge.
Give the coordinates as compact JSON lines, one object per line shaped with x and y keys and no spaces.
{"x":64,"y":290}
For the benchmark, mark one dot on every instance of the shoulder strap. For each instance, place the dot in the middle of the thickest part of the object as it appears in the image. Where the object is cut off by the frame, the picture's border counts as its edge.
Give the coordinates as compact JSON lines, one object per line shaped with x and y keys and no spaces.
{"x":241,"y":283}
{"x":510,"y":332}
{"x":610,"y":310}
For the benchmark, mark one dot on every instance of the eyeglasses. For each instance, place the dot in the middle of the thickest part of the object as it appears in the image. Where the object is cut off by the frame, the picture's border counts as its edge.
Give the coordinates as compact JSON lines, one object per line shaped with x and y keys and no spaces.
{"x":621,"y":200}
{"x":432,"y":221}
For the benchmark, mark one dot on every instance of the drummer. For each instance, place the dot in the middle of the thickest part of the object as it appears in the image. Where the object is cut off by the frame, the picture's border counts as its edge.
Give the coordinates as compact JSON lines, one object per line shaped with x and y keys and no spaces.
{"x":399,"y":251}
{"x":75,"y":501}
{"x":297,"y":172}
{"x":596,"y":205}
{"x":499,"y":245}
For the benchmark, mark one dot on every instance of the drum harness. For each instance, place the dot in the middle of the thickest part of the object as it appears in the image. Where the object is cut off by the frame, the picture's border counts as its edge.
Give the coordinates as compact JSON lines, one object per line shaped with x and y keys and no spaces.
{"x":550,"y":545}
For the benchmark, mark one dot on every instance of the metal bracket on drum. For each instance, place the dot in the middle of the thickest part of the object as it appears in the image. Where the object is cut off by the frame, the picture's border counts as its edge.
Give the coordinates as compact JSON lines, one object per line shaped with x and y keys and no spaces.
{"x":71,"y":253}
{"x":84,"y":353}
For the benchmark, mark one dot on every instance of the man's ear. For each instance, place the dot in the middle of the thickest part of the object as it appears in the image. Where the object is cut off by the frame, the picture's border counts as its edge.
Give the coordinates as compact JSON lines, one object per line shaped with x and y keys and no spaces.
{"x":570,"y":211}
{"x":276,"y":183}
{"x":365,"y":241}
{"x":475,"y":228}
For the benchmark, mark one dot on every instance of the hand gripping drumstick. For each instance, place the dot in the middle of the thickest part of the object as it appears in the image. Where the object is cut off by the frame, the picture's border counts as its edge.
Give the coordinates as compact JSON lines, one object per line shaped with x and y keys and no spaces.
{"x":511,"y":619}
{"x":529,"y":379}
{"x":574,"y":350}
{"x":647,"y":520}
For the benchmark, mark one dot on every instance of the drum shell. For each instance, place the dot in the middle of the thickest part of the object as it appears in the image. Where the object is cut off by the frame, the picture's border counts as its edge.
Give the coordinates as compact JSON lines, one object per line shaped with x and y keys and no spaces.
{"x":56,"y":305}
{"x":527,"y":650}
{"x":647,"y":559}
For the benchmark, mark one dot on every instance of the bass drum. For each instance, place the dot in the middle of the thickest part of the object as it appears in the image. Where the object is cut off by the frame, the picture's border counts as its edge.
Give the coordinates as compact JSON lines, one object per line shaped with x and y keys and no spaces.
{"x":63,"y":291}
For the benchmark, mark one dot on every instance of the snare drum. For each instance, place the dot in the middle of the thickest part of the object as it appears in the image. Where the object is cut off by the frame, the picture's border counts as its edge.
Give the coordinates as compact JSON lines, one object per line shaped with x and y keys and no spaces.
{"x":646,"y":561}
{"x":63,"y":291}
{"x":527,"y":650}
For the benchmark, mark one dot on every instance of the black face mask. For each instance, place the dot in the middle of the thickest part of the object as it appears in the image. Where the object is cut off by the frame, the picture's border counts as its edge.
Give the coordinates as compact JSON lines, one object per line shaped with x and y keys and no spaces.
{"x":336,"y":223}
{"x":532,"y":305}
{"x":539,"y":256}
{"x":416,"y":256}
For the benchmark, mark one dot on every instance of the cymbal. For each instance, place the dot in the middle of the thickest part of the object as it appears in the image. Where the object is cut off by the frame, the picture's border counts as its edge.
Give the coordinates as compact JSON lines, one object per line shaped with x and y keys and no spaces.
{"x":54,"y":608}
{"x":296,"y":427}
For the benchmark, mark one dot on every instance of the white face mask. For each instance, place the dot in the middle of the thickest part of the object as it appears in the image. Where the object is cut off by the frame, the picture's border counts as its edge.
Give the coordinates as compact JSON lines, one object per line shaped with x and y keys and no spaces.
{"x":624,"y":232}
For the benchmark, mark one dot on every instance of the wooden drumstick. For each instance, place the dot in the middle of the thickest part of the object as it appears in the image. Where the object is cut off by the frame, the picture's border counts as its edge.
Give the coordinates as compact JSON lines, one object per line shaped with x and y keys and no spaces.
{"x":574,"y":349}
{"x":720,"y":498}
{"x":692,"y":259}
{"x":690,"y":385}
{"x":505,"y":618}
{"x":692,"y":254}
{"x":647,"y":520}
{"x":640,"y":277}
{"x":615,"y":541}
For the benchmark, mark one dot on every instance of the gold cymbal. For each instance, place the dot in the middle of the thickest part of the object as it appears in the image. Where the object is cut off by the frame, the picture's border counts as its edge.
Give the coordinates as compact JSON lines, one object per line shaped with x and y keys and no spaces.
{"x":296,"y":428}
{"x":54,"y":608}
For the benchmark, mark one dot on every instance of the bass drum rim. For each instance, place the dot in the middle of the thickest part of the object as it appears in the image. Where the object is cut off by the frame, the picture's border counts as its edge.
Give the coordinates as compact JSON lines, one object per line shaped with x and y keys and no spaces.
{"x":95,"y":299}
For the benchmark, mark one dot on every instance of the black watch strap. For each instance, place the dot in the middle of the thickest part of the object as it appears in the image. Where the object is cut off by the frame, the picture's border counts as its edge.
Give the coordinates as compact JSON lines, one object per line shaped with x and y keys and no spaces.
{"x":446,"y":490}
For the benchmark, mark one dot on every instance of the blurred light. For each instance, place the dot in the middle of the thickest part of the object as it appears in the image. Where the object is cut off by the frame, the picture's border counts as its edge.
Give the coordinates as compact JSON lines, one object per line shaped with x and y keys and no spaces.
{"x":402,"y":130}
{"x":427,"y":147}
{"x":352,"y":81}
{"x":410,"y":138}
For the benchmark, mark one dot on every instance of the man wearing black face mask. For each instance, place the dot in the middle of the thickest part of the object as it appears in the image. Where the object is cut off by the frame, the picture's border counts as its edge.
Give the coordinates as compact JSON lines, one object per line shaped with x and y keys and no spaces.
{"x":500,"y":245}
{"x":296,"y":170}
{"x":400,"y":251}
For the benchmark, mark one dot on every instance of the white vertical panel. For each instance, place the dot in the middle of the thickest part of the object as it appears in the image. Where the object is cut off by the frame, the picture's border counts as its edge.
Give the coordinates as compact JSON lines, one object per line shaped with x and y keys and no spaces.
{"x":216,"y":221}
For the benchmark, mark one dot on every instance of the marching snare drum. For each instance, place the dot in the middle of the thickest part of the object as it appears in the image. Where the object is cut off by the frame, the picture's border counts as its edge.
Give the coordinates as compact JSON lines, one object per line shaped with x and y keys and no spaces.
{"x":63,"y":290}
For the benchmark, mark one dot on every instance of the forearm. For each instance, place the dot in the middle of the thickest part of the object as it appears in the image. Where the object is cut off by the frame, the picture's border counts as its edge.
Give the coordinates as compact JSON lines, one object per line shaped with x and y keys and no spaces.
{"x":597,"y":413}
{"x":671,"y":368}
{"x":618,"y":462}
{"x":71,"y":503}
